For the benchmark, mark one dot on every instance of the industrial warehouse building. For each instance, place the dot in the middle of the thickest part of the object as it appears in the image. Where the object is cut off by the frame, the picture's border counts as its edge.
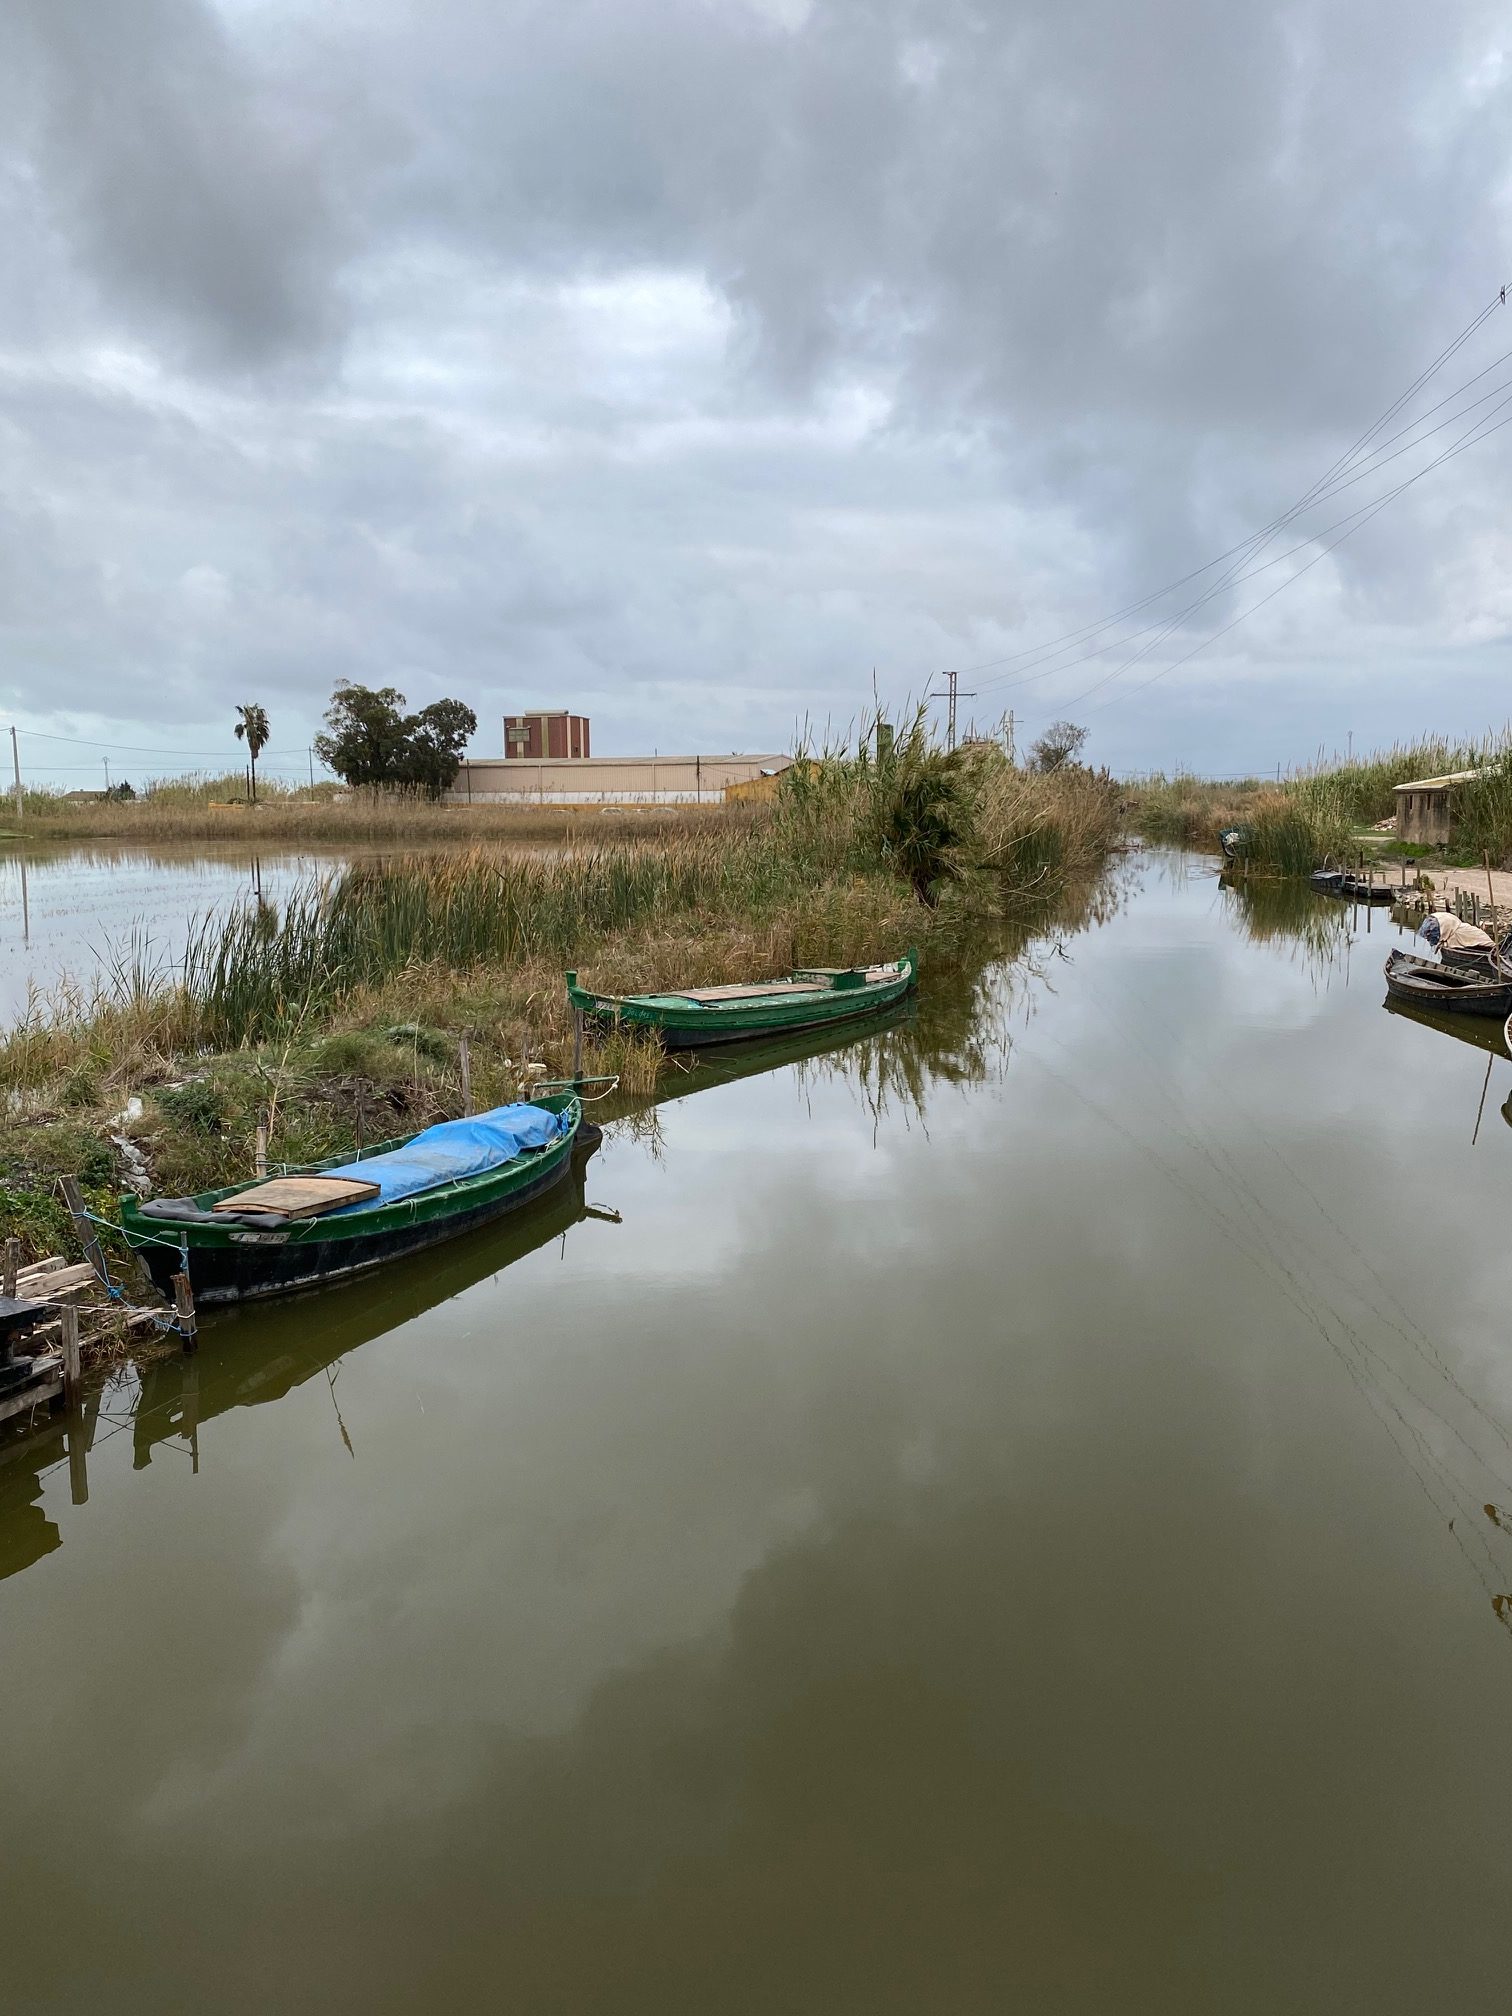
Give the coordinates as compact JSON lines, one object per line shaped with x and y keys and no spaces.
{"x":546,"y":761}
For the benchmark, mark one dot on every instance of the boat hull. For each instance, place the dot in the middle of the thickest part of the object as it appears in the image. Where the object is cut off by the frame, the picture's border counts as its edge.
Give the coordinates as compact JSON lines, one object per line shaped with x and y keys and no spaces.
{"x":683,"y":1026}
{"x":240,"y":1263}
{"x":1447,"y":990}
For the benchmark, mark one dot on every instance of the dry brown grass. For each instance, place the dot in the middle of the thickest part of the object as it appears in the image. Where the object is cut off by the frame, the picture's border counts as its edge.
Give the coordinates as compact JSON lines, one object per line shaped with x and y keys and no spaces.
{"x":363,"y":818}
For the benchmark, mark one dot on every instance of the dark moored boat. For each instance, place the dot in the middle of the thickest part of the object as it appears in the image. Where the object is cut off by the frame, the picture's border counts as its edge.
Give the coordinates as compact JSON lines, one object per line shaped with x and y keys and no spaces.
{"x":1448,"y":989}
{"x":422,"y":1189}
{"x":815,"y":997}
{"x":1352,"y":888}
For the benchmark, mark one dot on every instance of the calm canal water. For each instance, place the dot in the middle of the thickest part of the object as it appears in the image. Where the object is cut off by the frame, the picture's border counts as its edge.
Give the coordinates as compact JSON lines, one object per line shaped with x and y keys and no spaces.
{"x":998,"y":1524}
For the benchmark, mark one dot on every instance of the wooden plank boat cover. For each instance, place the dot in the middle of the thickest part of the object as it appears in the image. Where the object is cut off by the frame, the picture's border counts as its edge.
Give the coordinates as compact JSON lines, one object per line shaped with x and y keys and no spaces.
{"x":746,"y":991}
{"x":299,"y":1196}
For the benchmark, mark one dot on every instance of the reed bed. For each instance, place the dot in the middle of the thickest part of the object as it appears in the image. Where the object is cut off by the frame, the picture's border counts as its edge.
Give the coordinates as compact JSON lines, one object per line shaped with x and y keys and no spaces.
{"x":328,"y":814}
{"x":1324,"y":808}
{"x":338,"y":1014}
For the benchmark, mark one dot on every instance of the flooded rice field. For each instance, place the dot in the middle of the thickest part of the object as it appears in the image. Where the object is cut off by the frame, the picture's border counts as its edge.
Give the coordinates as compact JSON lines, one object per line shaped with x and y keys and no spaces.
{"x":70,"y":909}
{"x":67,"y":908}
{"x":1008,"y":1513}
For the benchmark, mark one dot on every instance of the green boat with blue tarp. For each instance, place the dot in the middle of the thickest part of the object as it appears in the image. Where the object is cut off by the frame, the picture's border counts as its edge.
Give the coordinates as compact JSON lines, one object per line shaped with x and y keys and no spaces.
{"x":813,"y":997}
{"x":331,"y":1219}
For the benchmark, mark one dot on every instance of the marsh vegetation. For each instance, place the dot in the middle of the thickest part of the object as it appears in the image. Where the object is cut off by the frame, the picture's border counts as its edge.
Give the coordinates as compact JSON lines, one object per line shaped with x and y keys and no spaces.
{"x":337,"y":1015}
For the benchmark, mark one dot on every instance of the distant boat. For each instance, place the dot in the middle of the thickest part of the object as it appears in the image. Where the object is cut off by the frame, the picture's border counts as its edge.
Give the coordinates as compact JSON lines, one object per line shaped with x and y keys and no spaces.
{"x":1448,"y":989}
{"x":1352,"y":888}
{"x":341,"y":1217}
{"x":813,"y":997}
{"x":1235,"y":841}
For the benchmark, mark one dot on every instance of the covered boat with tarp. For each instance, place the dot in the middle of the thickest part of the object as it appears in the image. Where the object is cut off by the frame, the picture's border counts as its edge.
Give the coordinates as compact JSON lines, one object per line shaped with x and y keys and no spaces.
{"x":1450,"y":990}
{"x":813,"y":997}
{"x":1460,"y":944}
{"x":317,"y":1224}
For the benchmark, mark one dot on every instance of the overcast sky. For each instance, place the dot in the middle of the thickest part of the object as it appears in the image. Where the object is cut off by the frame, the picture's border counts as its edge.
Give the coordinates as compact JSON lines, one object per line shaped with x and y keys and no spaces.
{"x":688,"y":361}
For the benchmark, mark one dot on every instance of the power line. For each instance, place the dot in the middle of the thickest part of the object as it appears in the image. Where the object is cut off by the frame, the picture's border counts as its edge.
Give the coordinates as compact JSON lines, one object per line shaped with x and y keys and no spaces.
{"x":1263,"y":536}
{"x":1476,"y":438}
{"x":1231,"y":579}
{"x":126,"y":748}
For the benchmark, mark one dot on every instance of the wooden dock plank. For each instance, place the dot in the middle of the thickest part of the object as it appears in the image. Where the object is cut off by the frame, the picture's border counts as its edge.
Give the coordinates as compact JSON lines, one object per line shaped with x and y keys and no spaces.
{"x":40,"y":1393}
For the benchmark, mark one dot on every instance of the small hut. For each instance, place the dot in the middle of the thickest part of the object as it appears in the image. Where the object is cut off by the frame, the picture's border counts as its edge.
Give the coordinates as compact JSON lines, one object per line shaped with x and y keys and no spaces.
{"x":1425,"y":809}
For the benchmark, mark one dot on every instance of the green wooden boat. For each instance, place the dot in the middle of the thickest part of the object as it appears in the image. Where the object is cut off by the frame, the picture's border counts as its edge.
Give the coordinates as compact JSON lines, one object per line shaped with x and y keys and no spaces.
{"x":237,"y":1256}
{"x":815,"y":997}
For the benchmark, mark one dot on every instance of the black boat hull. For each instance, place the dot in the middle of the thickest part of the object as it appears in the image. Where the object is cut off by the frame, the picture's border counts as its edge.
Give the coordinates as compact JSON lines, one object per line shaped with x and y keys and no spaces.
{"x":1446,"y":990}
{"x":266,"y":1263}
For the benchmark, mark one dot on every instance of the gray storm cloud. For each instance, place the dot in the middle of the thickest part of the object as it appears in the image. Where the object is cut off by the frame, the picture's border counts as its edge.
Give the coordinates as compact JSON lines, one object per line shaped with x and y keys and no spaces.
{"x":688,"y":361}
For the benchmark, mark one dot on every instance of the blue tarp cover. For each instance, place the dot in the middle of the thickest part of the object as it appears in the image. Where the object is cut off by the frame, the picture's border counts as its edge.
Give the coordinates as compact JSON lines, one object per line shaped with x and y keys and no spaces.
{"x":454,"y":1149}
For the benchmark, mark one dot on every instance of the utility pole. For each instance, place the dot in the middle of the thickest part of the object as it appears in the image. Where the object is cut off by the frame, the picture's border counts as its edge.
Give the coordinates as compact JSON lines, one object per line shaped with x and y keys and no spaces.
{"x":16,"y":766}
{"x":952,"y":695}
{"x":1012,"y":747}
{"x":311,"y":754}
{"x":106,"y":761}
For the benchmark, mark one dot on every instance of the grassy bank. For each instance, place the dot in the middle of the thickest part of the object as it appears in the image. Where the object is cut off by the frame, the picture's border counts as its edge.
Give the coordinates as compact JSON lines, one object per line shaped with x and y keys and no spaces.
{"x":1332,"y":807}
{"x":337,"y":1018}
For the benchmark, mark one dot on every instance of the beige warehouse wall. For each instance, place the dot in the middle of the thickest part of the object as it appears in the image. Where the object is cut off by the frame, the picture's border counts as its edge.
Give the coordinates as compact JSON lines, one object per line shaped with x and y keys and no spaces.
{"x":607,"y":779}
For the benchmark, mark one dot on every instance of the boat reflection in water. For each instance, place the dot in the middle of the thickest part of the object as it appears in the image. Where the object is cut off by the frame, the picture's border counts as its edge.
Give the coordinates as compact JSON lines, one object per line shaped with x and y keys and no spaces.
{"x":178,"y":1395}
{"x":1478,"y":1032}
{"x":955,"y":1032}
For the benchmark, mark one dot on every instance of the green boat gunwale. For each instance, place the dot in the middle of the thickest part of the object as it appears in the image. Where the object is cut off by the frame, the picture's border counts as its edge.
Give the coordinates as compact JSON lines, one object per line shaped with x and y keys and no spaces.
{"x":459,"y":1193}
{"x":687,"y":1022}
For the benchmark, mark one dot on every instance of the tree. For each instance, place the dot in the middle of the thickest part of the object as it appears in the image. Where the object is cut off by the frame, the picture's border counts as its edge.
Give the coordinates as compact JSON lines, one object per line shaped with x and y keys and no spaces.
{"x":371,"y":742}
{"x":366,"y":742}
{"x":1060,"y":744}
{"x":252,"y":728}
{"x":437,"y":735}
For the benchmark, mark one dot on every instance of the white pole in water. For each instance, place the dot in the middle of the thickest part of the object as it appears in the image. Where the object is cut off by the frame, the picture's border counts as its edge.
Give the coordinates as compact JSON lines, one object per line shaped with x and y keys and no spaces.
{"x":16,"y":765}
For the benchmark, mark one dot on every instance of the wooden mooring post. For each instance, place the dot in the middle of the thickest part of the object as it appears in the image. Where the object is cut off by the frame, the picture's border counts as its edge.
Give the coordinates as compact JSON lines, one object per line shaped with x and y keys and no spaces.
{"x":577,"y":1045}
{"x":260,"y":1151}
{"x":12,"y":1266}
{"x":183,"y":1302}
{"x":87,"y":1236}
{"x":68,"y":1325}
{"x":464,"y":1059}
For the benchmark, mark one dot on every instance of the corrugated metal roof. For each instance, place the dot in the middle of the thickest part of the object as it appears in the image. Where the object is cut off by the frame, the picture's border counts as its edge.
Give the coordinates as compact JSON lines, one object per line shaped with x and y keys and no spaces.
{"x":1439,"y":783}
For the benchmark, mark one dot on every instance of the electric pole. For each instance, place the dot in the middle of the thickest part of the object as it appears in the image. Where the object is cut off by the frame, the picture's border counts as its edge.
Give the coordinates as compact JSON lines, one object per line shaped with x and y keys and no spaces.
{"x":16,"y":766}
{"x":951,"y":695}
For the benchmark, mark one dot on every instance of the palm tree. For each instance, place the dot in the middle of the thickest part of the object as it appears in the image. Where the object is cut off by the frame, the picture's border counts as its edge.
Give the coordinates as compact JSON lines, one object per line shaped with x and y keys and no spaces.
{"x":252,"y":728}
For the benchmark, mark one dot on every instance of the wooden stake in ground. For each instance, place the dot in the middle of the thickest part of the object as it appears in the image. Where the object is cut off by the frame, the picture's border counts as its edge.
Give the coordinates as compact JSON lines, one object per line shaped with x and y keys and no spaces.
{"x":464,"y":1058}
{"x":12,"y":1265}
{"x":68,"y":1318}
{"x":83,"y":1227}
{"x":183,"y":1302}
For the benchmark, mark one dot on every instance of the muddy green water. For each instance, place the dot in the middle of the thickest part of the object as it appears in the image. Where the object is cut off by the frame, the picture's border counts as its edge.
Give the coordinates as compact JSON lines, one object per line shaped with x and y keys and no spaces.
{"x":997,"y":1526}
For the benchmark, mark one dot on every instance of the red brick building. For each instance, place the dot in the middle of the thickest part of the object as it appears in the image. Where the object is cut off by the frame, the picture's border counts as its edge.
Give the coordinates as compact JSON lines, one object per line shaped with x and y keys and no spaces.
{"x":546,"y":735}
